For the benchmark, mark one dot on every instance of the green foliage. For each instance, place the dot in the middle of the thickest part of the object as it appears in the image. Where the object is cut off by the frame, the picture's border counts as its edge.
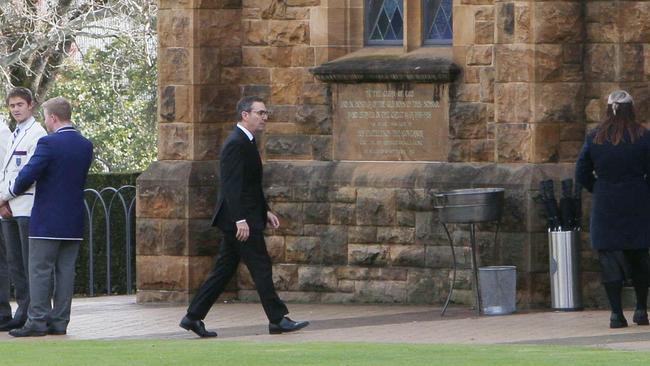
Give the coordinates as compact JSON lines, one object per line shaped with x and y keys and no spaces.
{"x":117,"y":237}
{"x":99,"y":181}
{"x":113,"y":93}
{"x":36,"y":37}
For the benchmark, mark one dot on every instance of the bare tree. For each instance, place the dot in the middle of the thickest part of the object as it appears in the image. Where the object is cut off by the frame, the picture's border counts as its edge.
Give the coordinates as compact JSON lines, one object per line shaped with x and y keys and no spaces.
{"x":36,"y":36}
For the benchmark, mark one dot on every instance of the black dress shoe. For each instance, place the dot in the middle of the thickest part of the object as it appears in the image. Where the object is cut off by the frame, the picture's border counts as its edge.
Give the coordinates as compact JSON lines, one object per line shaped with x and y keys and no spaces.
{"x":197,"y":327}
{"x":4,"y":320}
{"x":12,"y":324}
{"x":286,"y":325}
{"x":27,"y":332}
{"x":617,"y":321}
{"x":641,"y":317}
{"x":54,"y":331}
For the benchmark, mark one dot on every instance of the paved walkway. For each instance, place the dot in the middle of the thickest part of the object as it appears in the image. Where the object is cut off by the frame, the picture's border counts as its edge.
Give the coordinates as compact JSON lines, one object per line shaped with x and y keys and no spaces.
{"x":119,"y":317}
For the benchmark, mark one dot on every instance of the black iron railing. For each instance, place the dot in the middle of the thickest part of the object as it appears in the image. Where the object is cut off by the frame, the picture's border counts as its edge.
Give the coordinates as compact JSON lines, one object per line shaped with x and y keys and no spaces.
{"x":117,"y":206}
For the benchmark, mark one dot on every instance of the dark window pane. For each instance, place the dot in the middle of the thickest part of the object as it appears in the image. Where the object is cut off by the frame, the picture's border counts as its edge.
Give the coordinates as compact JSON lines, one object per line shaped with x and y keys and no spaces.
{"x":390,"y":35}
{"x":438,"y":21}
{"x":384,"y":21}
{"x":376,"y":34}
{"x":396,"y":22}
{"x":373,"y":7}
{"x":390,"y":7}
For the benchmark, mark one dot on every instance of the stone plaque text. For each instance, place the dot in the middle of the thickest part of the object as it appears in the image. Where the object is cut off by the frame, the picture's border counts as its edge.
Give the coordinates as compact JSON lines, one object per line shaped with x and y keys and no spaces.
{"x":390,"y":122}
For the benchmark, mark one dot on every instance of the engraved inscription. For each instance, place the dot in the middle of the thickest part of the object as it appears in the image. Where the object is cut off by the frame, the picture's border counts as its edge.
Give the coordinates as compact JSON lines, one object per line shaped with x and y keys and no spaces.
{"x":389,"y":122}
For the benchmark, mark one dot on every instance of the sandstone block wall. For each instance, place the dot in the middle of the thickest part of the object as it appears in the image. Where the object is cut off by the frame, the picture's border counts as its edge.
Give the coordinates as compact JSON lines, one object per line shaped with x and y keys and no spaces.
{"x":523,"y":77}
{"x":368,"y":232}
{"x":535,"y":75}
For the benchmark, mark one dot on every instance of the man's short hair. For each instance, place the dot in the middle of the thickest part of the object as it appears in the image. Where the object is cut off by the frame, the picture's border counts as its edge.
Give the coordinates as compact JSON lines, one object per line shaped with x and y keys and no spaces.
{"x":59,"y":107}
{"x":245,"y":104}
{"x":20,"y":92}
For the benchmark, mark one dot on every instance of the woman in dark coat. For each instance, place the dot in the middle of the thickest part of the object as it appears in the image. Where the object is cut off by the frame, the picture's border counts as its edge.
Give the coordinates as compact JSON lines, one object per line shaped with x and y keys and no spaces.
{"x":613,"y":165}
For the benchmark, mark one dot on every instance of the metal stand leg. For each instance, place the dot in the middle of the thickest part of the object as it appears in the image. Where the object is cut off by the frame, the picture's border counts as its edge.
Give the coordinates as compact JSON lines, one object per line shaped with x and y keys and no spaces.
{"x":452,"y":282}
{"x":477,"y":293}
{"x":453,"y":276}
{"x":496,"y":237}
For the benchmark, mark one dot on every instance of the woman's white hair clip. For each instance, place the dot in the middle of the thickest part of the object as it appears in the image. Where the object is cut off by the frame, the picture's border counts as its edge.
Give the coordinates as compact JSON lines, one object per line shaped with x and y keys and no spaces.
{"x":616,"y":98}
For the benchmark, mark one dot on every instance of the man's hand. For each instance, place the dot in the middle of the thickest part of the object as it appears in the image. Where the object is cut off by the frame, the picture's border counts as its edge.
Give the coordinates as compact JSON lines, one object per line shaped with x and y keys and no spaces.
{"x":5,"y":210}
{"x":242,"y":231}
{"x":272,"y":220}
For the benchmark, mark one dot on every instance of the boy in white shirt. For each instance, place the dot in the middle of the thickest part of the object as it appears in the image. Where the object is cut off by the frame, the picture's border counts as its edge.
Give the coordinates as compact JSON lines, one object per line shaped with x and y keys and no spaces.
{"x":15,"y":215}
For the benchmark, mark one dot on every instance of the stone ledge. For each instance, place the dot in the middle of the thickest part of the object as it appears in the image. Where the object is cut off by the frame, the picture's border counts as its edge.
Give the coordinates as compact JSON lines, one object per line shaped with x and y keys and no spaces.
{"x":423,"y":175}
{"x":387,"y":68}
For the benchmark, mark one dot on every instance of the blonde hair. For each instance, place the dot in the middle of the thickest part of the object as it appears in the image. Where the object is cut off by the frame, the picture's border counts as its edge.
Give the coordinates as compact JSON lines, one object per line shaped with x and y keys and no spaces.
{"x":59,"y":107}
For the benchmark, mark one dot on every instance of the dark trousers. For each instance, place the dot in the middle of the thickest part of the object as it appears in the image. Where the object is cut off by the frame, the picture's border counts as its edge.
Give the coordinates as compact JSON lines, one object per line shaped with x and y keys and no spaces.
{"x":5,"y":283}
{"x":15,"y":232}
{"x":256,"y":258}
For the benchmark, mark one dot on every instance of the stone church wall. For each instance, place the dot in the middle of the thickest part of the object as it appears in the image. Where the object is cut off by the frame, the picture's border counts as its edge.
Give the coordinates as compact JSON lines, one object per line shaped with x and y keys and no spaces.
{"x":532,"y":77}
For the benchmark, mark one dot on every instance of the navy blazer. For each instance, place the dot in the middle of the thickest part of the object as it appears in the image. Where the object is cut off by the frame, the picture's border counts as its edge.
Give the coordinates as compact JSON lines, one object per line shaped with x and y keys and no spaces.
{"x":59,"y":167}
{"x":240,"y":196}
{"x":617,"y":175}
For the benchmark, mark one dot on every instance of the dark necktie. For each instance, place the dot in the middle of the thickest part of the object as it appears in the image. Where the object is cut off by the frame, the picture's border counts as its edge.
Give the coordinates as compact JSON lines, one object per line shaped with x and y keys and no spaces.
{"x":16,"y":132}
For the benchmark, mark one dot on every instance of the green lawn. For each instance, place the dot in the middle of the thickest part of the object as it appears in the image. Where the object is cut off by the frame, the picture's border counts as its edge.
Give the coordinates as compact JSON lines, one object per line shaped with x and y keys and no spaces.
{"x":215,"y":352}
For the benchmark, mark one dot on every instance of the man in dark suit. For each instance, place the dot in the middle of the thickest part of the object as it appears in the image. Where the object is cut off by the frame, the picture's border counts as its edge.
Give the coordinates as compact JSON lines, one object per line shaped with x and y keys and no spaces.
{"x":59,"y":168}
{"x":242,"y":214}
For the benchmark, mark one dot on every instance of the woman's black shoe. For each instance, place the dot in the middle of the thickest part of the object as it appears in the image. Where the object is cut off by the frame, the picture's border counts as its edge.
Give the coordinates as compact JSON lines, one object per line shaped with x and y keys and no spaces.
{"x":641,"y":317}
{"x":617,"y":321}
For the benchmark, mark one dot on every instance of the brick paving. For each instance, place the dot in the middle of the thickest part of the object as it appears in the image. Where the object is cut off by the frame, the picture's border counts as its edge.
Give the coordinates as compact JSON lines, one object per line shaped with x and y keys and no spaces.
{"x":119,"y":317}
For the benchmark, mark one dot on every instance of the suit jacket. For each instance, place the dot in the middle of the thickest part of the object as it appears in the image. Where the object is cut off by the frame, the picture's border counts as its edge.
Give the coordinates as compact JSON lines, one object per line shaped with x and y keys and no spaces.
{"x":59,"y":167}
{"x":617,"y":175}
{"x":19,"y":151}
{"x":240,"y":195}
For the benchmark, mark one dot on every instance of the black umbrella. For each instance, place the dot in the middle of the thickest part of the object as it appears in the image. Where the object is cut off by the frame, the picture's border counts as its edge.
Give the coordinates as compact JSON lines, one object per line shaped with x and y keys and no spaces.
{"x":550,"y":204}
{"x":577,"y":199}
{"x":567,"y":205}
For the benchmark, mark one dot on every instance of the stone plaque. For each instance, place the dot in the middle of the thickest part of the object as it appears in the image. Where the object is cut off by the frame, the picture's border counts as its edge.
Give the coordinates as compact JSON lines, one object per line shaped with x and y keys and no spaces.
{"x":390,"y":121}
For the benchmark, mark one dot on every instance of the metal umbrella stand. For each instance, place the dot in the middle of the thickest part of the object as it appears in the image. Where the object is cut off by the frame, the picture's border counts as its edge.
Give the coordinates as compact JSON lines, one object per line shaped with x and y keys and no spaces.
{"x":563,"y":226}
{"x":469,"y":206}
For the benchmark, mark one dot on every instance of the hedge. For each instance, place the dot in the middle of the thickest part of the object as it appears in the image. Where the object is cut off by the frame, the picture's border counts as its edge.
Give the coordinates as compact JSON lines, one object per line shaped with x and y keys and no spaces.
{"x":117,"y":237}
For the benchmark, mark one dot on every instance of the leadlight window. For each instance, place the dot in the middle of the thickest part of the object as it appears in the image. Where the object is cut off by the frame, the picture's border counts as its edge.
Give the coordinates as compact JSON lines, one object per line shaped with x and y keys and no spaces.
{"x":437,"y":21}
{"x":385,"y":21}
